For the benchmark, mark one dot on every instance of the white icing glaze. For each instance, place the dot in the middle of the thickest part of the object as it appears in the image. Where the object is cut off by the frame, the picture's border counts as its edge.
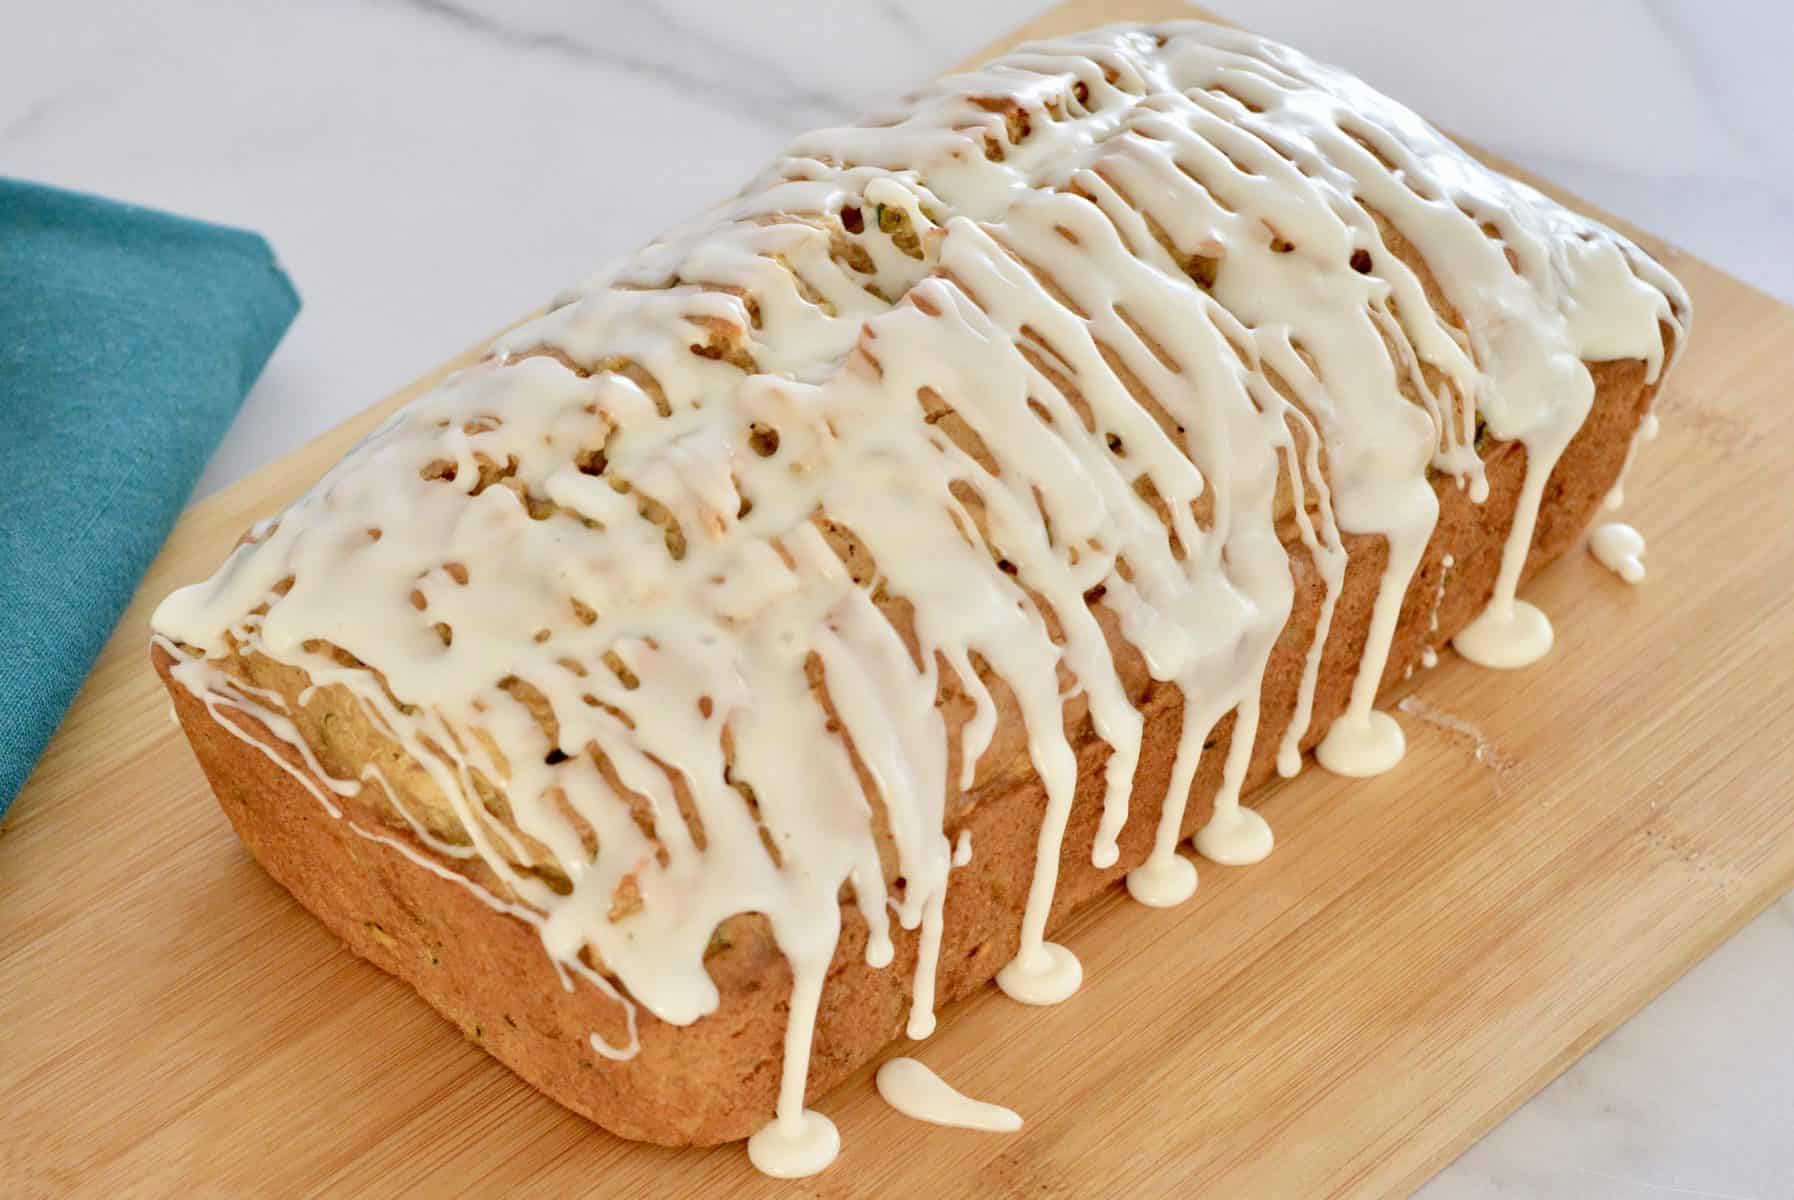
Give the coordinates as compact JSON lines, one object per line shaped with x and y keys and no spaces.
{"x":1362,"y":746}
{"x":796,"y":1146}
{"x":1516,"y":634}
{"x":1235,"y":839}
{"x":1163,"y":881}
{"x":915,"y":1091}
{"x":962,"y":849}
{"x":1646,"y":432}
{"x":1620,"y":548}
{"x":1429,"y":657}
{"x":1045,"y":973}
{"x":1042,"y":350}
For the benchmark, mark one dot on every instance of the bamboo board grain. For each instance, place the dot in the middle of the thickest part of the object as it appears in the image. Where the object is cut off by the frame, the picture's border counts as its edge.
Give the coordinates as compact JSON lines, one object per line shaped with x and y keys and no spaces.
{"x":1422,"y":953}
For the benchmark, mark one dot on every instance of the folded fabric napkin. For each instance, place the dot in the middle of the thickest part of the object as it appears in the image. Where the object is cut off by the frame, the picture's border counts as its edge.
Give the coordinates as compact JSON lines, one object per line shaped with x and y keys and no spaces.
{"x":128,"y":339}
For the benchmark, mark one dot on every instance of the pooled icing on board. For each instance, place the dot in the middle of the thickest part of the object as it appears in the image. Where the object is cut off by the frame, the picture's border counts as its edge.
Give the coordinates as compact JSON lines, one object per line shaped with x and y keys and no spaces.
{"x":1620,"y":548}
{"x":914,"y":414}
{"x":915,"y":1091}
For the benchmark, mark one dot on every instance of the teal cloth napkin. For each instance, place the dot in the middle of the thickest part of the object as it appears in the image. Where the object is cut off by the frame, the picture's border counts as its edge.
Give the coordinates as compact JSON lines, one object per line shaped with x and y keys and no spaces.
{"x":128,"y":339}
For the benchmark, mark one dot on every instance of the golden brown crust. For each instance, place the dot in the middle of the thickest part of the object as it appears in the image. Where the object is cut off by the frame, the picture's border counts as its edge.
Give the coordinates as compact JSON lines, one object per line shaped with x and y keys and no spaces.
{"x":716,"y":1080}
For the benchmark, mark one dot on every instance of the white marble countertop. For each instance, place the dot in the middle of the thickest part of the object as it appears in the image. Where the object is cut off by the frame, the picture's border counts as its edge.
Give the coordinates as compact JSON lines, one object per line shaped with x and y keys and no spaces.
{"x":429,"y":169}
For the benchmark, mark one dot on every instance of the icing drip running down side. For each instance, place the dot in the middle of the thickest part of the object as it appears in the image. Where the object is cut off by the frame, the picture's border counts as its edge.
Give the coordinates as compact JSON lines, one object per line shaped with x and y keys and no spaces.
{"x":721,"y":587}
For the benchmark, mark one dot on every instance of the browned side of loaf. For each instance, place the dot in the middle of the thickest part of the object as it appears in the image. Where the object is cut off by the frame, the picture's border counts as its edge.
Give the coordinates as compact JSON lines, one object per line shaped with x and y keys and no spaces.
{"x":716,"y":1080}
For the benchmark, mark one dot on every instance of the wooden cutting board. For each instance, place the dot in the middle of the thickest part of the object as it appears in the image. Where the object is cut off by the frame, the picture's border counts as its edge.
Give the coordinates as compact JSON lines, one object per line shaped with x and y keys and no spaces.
{"x":1423,"y":952}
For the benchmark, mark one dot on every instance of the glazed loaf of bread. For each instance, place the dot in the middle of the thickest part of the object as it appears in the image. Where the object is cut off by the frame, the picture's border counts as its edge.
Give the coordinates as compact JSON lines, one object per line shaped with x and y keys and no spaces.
{"x":777,"y":638}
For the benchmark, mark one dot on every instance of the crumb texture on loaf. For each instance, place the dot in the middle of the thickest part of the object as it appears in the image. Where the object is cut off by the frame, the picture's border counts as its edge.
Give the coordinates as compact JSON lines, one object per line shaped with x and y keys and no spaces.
{"x":960,"y":449}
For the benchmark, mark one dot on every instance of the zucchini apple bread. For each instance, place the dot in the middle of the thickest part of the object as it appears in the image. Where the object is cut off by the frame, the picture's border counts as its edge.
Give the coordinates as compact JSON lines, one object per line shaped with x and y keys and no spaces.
{"x":777,"y":638}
